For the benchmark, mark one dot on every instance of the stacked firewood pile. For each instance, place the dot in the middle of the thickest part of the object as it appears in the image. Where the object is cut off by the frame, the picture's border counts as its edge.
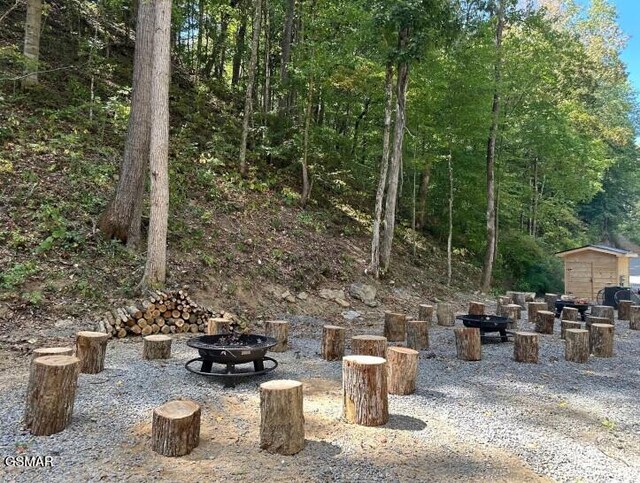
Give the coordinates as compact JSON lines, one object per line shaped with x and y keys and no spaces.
{"x":159,"y":312}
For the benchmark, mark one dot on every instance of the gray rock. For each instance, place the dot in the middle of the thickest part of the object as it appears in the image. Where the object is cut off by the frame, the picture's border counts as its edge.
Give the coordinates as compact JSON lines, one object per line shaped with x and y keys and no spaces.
{"x":302,"y":296}
{"x":330,"y":294}
{"x":363,"y":292}
{"x":351,"y":314}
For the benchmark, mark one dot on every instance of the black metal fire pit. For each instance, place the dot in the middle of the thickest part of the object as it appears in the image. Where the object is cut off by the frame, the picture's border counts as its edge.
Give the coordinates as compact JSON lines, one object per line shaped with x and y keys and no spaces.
{"x":582,"y":308}
{"x":232,"y":352}
{"x":487,"y":323}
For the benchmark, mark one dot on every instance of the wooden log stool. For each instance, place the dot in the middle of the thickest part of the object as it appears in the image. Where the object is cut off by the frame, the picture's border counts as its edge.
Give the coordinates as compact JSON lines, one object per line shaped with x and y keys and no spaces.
{"x":569,"y":313}
{"x":156,"y":347}
{"x":175,"y":429}
{"x":425,"y":312}
{"x":402,"y":370}
{"x":51,"y":351}
{"x":477,"y":308}
{"x":603,"y":311}
{"x":369,"y":345}
{"x":394,"y":326}
{"x":576,"y":347}
{"x":332,"y":346}
{"x":51,"y":393}
{"x":91,"y":348}
{"x":532,"y":310}
{"x":418,"y":334}
{"x":525,"y":347}
{"x":364,"y":389}
{"x":592,"y":319}
{"x":218,"y":326}
{"x":544,"y":321}
{"x":568,"y":324}
{"x":445,"y":315}
{"x":601,"y":340}
{"x":551,"y":299}
{"x":281,"y":417}
{"x":513,"y":312}
{"x":279,"y":330}
{"x":624,"y":307}
{"x":468,"y":345}
{"x":501,"y":302}
{"x":634,"y":317}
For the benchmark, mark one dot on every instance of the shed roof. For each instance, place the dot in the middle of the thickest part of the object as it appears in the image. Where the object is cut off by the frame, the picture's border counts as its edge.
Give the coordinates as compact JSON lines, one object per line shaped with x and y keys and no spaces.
{"x":618,"y":252}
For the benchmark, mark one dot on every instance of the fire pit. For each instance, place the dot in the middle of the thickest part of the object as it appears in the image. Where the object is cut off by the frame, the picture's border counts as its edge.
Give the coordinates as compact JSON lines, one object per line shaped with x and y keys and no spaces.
{"x":487,"y":323}
{"x":582,"y":308}
{"x":232,"y":350}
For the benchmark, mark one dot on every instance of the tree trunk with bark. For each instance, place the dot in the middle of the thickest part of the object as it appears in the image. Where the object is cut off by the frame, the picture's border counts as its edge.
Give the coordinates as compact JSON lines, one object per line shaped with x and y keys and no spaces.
{"x":286,"y":53}
{"x":239,"y":50}
{"x":32,"y":27}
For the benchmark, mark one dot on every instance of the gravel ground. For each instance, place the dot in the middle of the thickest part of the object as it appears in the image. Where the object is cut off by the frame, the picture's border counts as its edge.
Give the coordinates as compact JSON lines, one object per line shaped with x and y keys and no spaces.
{"x":493,"y":420}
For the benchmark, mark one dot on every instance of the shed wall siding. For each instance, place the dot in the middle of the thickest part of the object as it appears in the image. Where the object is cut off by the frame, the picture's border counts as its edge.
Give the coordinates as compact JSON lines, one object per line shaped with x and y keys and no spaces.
{"x":581,"y":268}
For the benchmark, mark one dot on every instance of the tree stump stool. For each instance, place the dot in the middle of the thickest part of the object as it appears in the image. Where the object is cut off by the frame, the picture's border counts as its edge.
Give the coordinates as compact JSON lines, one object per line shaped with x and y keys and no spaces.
{"x":364,"y":389}
{"x":425,"y":312}
{"x":468,"y":345}
{"x":394,"y":326}
{"x":592,"y":319}
{"x":521,"y":298}
{"x":525,"y":347}
{"x":51,"y":351}
{"x":51,"y":393}
{"x":601,"y":340}
{"x":532,"y":310}
{"x":279,"y":330}
{"x":569,"y":313}
{"x":281,"y":417}
{"x":402,"y":370}
{"x":624,"y":307}
{"x":418,"y":334}
{"x":175,"y":429}
{"x":568,"y":324}
{"x":218,"y":326}
{"x":634,"y":317}
{"x":156,"y":347}
{"x":445,"y":314}
{"x":551,"y":299}
{"x":502,"y":302}
{"x":369,"y":345}
{"x":576,"y":347}
{"x":603,"y":311}
{"x":544,"y":321}
{"x":332,"y":346}
{"x":513,"y":313}
{"x":477,"y":308}
{"x":91,"y":348}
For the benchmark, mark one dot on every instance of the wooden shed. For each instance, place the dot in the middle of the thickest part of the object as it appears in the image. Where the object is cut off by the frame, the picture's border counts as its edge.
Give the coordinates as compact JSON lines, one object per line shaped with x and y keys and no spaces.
{"x":591,"y":268}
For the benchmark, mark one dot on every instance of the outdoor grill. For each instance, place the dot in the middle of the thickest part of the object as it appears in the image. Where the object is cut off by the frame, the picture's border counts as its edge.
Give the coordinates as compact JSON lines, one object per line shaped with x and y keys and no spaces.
{"x":234,"y":352}
{"x":487,"y":324}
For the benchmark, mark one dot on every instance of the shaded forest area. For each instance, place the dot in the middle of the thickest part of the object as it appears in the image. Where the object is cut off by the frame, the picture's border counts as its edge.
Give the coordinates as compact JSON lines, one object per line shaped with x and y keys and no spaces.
{"x":491,"y":134}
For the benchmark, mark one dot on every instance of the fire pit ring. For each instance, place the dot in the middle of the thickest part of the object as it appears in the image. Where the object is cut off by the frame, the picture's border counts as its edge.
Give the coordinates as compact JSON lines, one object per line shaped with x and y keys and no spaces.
{"x":487,"y":323}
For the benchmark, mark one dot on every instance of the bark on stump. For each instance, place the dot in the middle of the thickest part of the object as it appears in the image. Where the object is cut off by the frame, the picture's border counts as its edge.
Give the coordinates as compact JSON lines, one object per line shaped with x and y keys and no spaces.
{"x":402,"y":369}
{"x":364,"y":390}
{"x":218,"y":326}
{"x":332,"y":347}
{"x":569,"y":313}
{"x":525,"y":347}
{"x":502,"y":302}
{"x":91,"y":348}
{"x":568,"y":324}
{"x":601,"y":340}
{"x":551,"y":299}
{"x":425,"y":312}
{"x":468,"y":345}
{"x":544,"y":322}
{"x":369,"y":345}
{"x":175,"y":429}
{"x":521,"y":298}
{"x":533,"y":308}
{"x":279,"y":330}
{"x":603,"y":311}
{"x":51,"y":351}
{"x":156,"y":347}
{"x":513,"y":313}
{"x":591,"y":319}
{"x":418,"y":334}
{"x":634,"y":317}
{"x":624,"y":307}
{"x":281,"y":417}
{"x":477,"y":308}
{"x":576,"y":347}
{"x":445,"y":315}
{"x":394,"y":326}
{"x":51,"y":394}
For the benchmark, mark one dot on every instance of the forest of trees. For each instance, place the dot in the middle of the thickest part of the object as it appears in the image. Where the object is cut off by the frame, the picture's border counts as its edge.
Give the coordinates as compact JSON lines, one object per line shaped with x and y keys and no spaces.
{"x":506,"y":129}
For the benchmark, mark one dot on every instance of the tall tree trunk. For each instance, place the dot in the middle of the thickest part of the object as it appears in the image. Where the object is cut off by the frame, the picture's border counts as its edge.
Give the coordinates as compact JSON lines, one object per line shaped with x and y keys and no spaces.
{"x":122,"y":217}
{"x":450,"y":235}
{"x":422,"y":196}
{"x":156,"y":266}
{"x":248,"y":100}
{"x":239,"y":50}
{"x":200,"y":36}
{"x":306,"y":185}
{"x":374,"y":267}
{"x":356,"y":127}
{"x":489,"y":256}
{"x":32,"y":28}
{"x":266,"y":105}
{"x":396,"y":157}
{"x":222,"y":44}
{"x":286,"y":53}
